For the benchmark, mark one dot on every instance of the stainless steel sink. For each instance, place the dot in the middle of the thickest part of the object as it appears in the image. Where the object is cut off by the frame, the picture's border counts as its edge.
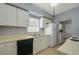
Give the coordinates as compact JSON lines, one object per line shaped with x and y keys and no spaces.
{"x":37,"y":35}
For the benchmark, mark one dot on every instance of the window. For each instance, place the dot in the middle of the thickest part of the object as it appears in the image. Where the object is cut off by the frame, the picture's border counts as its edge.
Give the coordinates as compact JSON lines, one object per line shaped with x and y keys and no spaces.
{"x":34,"y":24}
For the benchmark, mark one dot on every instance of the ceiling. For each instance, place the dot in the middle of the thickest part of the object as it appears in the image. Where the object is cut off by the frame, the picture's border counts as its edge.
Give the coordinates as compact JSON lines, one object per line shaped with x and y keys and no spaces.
{"x":44,"y":9}
{"x":62,"y":7}
{"x":35,"y":10}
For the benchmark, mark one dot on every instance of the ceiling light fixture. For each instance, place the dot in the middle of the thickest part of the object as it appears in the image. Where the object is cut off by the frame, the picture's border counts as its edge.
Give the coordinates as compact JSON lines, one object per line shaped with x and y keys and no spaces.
{"x":54,"y":4}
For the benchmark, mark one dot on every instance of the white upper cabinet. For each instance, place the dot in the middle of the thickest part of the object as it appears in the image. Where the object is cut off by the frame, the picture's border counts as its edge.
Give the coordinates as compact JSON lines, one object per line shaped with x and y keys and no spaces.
{"x":26,"y":20}
{"x":11,"y":15}
{"x":22,"y":18}
{"x":2,"y":14}
{"x":46,"y":21}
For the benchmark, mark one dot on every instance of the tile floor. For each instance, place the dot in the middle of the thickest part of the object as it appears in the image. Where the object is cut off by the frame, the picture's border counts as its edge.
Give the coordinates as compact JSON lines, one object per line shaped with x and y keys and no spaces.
{"x":50,"y":51}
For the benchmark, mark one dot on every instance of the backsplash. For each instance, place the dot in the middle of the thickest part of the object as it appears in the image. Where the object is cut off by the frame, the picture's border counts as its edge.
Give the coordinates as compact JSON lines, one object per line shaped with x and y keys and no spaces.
{"x":8,"y":30}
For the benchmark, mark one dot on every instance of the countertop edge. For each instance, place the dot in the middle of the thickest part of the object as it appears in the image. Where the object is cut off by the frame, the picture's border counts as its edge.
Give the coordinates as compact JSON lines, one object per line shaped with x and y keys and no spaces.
{"x":14,"y":38}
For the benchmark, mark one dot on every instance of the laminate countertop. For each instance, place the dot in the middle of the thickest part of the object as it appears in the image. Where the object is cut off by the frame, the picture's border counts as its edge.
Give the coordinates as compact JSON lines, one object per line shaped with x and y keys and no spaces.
{"x":69,"y":47}
{"x":10,"y":38}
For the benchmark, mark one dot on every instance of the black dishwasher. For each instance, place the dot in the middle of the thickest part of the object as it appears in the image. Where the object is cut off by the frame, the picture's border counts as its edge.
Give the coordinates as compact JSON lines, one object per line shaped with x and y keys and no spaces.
{"x":25,"y":47}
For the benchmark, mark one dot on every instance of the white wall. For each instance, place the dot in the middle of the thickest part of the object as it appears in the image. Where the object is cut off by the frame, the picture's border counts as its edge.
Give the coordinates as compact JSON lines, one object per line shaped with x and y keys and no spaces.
{"x":68,"y":28}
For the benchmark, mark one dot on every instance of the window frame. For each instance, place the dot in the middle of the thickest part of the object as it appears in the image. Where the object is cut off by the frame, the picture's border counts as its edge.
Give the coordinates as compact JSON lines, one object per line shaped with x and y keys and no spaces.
{"x":33,"y":25}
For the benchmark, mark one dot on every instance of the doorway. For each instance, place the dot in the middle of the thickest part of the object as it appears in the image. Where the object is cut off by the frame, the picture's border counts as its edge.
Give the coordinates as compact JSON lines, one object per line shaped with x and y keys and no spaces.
{"x":64,"y":30}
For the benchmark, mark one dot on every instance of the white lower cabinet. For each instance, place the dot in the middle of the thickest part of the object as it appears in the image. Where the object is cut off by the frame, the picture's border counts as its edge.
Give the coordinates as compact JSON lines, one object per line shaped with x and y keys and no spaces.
{"x":2,"y":51}
{"x":39,"y":44}
{"x":36,"y":45}
{"x":44,"y":42}
{"x":9,"y":48}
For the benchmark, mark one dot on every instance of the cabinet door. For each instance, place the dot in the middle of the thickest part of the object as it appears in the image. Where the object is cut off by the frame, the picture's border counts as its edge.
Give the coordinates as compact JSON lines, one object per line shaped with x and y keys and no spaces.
{"x":40,"y":43}
{"x":43,"y":43}
{"x":2,"y":14}
{"x":11,"y":48}
{"x":8,"y":48}
{"x":36,"y":45}
{"x":46,"y":22}
{"x":22,"y":18}
{"x":2,"y":49}
{"x":11,"y":15}
{"x":10,"y":51}
{"x":26,"y":18}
